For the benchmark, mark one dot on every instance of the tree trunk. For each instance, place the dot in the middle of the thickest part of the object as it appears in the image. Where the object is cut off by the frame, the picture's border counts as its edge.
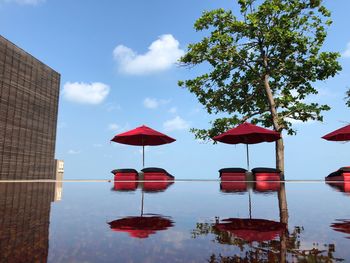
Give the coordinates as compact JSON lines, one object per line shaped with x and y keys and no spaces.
{"x":276,"y":126}
{"x":283,"y":208}
{"x":280,"y":157}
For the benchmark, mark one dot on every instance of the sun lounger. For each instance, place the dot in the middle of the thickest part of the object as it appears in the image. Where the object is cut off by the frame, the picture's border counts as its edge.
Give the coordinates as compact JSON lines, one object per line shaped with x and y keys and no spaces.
{"x":156,"y":174}
{"x":125,"y":174}
{"x":342,"y":174}
{"x":232,"y":174}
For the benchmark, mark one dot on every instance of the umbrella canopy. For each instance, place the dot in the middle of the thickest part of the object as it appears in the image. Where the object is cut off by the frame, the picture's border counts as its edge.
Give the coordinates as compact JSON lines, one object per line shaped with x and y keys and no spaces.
{"x":142,"y":136}
{"x":251,"y":229}
{"x":247,"y":133}
{"x":342,"y":134}
{"x":141,"y":226}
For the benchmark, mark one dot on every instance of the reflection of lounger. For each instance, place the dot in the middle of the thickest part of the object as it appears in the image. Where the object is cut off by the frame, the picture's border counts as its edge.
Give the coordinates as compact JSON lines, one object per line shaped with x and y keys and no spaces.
{"x":125,"y":185}
{"x":233,"y":174}
{"x":342,"y":186}
{"x":156,"y":174}
{"x":159,"y":186}
{"x":267,"y":186}
{"x":233,"y":187}
{"x":342,"y":174}
{"x":266,"y":174}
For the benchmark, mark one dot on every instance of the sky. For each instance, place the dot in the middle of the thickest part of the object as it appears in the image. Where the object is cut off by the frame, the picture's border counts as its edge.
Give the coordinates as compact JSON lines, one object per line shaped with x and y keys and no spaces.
{"x":117,"y":61}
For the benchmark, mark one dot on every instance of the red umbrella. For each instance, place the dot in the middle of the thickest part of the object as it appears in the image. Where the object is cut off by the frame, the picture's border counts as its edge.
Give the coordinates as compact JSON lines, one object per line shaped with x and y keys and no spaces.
{"x":342,"y":134}
{"x":142,"y":136}
{"x":251,"y":229}
{"x":248,"y":133}
{"x":141,"y":226}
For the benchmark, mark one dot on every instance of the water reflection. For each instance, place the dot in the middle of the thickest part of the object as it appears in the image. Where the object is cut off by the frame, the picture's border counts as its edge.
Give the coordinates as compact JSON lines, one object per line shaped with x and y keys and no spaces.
{"x":25,"y":219}
{"x":343,"y":226}
{"x":146,"y":186}
{"x":233,"y":186}
{"x":250,"y":229}
{"x":141,"y":226}
{"x":341,"y":186}
{"x":263,"y":240}
{"x":146,"y":224}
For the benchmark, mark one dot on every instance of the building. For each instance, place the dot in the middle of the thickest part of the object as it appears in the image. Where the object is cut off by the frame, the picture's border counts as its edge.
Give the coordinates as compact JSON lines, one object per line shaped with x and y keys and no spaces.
{"x":59,"y":169}
{"x":29,"y":92}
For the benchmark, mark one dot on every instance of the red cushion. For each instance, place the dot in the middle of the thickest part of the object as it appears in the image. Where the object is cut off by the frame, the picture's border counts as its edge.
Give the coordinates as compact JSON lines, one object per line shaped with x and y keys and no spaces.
{"x":125,"y":176}
{"x":233,"y":176}
{"x":156,"y":176}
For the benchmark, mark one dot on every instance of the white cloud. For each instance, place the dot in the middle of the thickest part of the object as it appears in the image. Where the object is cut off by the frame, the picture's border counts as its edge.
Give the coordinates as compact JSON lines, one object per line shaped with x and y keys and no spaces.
{"x":86,"y":93}
{"x":73,"y":152}
{"x":173,"y":110}
{"x":176,"y":123}
{"x":23,"y":2}
{"x":299,"y":122}
{"x":161,"y":55}
{"x":152,"y":103}
{"x":346,"y":53}
{"x":113,"y":127}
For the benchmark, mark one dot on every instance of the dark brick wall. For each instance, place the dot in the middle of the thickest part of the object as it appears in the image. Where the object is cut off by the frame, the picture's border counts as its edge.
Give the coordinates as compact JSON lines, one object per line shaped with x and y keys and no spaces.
{"x":29,"y":92}
{"x":24,"y":221}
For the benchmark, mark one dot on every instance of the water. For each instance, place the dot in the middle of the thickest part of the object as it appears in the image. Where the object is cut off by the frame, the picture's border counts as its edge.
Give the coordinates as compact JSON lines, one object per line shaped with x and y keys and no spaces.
{"x":182,"y":222}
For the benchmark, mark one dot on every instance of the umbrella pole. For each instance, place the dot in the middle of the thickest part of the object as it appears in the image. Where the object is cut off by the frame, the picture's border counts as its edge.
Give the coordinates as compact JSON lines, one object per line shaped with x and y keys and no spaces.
{"x":247,"y":157}
{"x":250,"y":205}
{"x":143,"y":156}
{"x":142,"y":204}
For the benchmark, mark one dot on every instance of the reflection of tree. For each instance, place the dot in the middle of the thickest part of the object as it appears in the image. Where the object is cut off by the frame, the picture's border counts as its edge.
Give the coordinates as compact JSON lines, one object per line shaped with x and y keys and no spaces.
{"x":284,"y":249}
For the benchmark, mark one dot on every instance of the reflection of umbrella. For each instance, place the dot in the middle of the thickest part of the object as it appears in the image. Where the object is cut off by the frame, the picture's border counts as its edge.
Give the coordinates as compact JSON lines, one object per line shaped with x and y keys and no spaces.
{"x":342,"y":226}
{"x":141,"y":226}
{"x":248,"y":133}
{"x":342,"y":134}
{"x":146,"y":224}
{"x":142,"y":136}
{"x":251,"y":229}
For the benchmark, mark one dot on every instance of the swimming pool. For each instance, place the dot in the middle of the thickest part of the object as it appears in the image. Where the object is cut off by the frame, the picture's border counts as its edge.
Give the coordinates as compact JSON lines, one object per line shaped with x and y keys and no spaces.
{"x":180,"y":222}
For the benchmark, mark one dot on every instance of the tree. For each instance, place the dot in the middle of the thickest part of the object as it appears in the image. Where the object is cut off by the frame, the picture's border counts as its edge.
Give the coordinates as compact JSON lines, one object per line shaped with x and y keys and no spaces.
{"x":263,"y":65}
{"x":348,"y":98}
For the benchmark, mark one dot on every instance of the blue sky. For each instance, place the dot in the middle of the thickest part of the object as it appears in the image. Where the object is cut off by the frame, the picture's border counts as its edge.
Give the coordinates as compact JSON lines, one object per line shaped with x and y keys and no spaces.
{"x":116,"y":60}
